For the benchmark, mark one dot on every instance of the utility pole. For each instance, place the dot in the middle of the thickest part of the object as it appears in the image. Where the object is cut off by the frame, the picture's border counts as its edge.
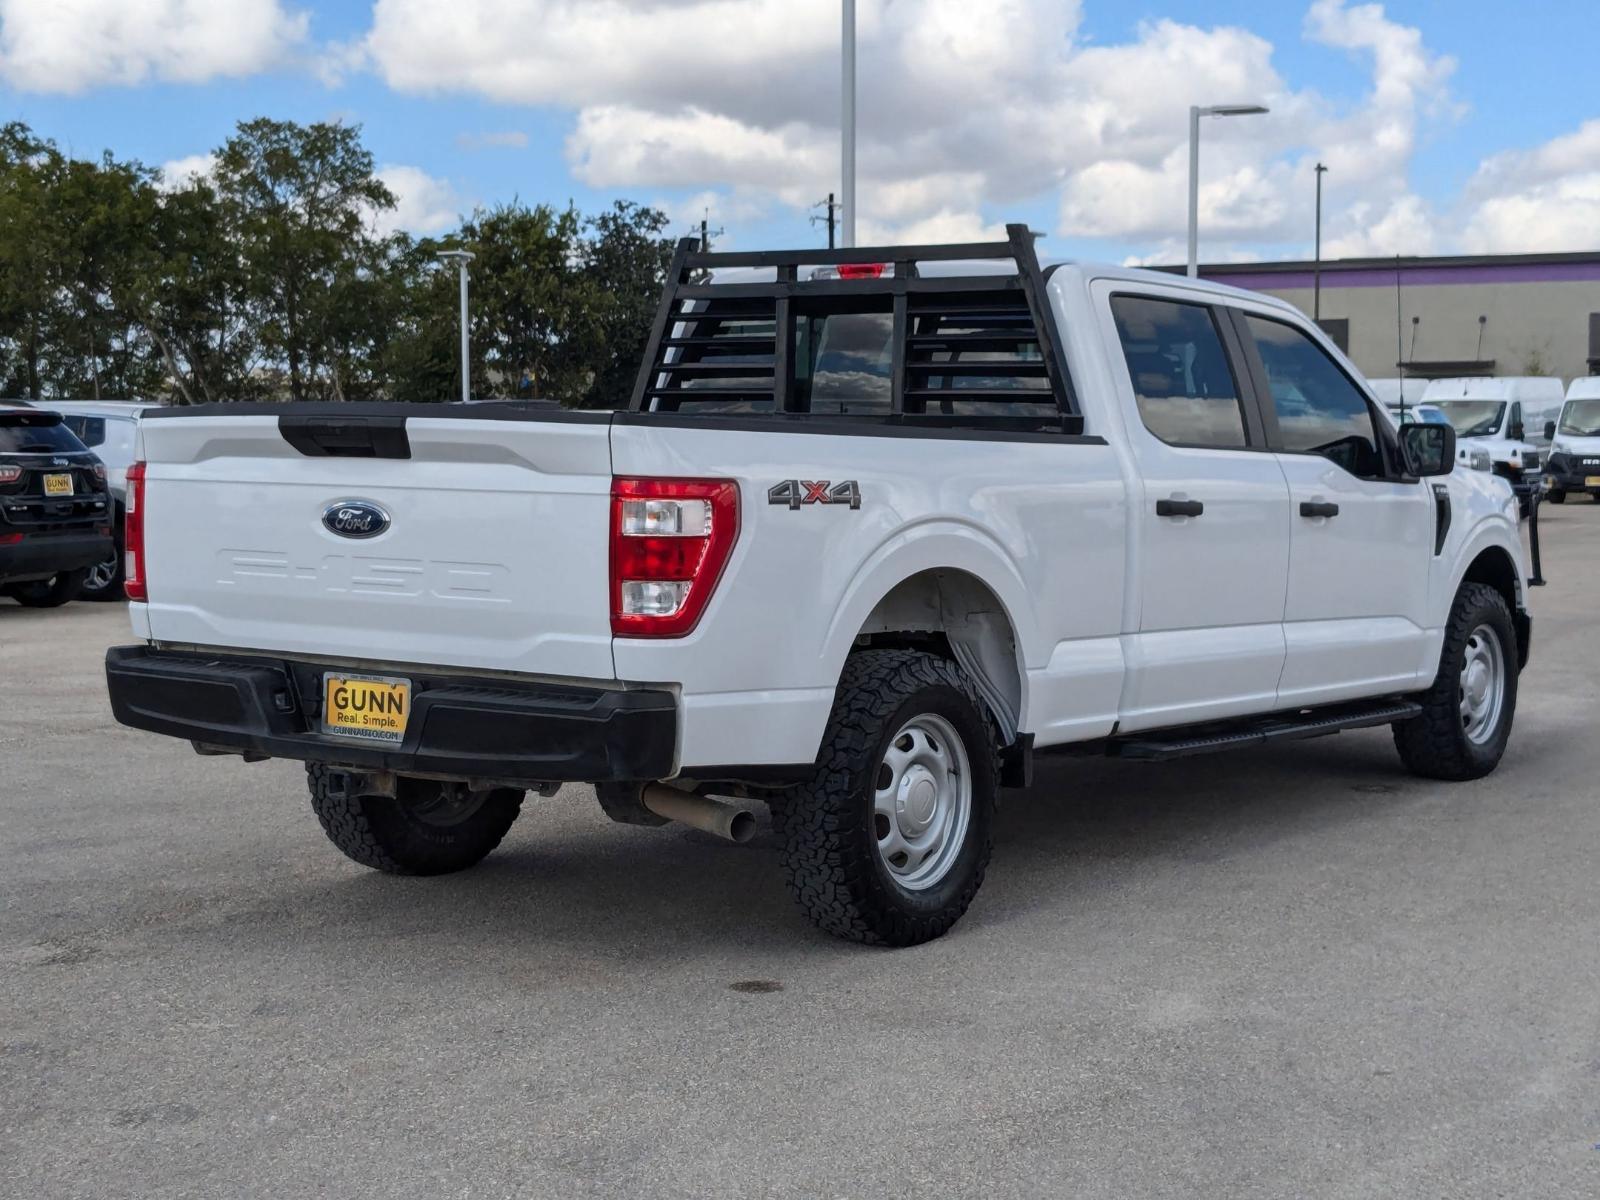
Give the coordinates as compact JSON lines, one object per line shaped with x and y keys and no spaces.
{"x":706,"y":234}
{"x":461,"y":258}
{"x":847,"y":123}
{"x":1316,"y":275}
{"x":832,"y":208}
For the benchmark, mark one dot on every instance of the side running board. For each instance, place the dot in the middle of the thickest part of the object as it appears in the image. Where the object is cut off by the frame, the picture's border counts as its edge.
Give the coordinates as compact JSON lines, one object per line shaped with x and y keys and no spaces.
{"x":1255,"y":731}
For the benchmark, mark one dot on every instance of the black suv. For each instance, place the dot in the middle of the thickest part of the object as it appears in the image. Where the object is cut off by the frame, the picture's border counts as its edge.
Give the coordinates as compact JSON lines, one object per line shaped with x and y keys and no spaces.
{"x":55,"y":511}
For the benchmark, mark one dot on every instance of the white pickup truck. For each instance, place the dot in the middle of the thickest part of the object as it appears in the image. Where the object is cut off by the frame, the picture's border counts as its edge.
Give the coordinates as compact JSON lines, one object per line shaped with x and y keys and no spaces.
{"x":877,"y":527}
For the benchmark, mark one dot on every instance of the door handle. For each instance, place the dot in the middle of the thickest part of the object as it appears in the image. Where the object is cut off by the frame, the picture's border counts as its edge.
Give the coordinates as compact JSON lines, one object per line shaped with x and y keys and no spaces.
{"x":1318,"y":508}
{"x":1179,"y":508}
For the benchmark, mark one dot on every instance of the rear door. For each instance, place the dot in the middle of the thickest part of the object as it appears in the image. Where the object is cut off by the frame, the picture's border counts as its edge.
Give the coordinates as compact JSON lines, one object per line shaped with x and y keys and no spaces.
{"x":1361,"y":537}
{"x":1212,"y":545}
{"x":476,"y":539}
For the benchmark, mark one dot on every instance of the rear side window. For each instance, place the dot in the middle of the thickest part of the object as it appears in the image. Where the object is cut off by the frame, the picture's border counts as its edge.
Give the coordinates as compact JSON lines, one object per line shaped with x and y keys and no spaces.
{"x":1319,"y":410}
{"x":844,"y":363}
{"x":1184,"y":386}
{"x":91,"y":431}
{"x":40,"y":433}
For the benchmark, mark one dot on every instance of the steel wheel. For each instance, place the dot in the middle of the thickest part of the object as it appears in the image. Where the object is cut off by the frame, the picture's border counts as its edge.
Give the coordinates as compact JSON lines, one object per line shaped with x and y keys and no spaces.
{"x":1483,"y":685}
{"x":923,"y":802}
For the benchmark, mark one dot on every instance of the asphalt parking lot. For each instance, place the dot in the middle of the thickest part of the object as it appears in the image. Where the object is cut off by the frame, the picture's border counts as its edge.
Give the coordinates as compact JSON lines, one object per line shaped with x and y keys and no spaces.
{"x":1285,"y":972}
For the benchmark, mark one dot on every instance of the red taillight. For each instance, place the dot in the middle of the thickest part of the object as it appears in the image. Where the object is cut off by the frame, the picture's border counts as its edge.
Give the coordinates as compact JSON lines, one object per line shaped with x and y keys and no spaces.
{"x":670,"y":539}
{"x":11,"y":539}
{"x":9,"y":473}
{"x":861,"y":270}
{"x":133,"y":572}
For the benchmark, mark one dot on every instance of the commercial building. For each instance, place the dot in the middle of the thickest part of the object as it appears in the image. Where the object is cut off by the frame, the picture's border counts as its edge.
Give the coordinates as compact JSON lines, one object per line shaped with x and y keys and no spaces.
{"x":1483,"y":314}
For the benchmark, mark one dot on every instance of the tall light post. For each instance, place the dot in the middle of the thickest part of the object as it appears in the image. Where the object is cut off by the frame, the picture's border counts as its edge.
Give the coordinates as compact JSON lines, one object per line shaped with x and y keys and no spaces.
{"x":461,"y":258}
{"x":847,"y":125}
{"x":1197,"y":111}
{"x":1316,"y":274}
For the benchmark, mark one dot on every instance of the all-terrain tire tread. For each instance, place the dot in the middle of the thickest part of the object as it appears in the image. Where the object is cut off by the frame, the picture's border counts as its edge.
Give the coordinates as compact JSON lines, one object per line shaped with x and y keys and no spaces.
{"x":344,"y":818}
{"x":835,"y":883}
{"x":1432,"y":744}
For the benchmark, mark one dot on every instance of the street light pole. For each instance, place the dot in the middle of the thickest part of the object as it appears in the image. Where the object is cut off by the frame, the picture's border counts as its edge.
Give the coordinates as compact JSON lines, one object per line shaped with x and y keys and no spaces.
{"x":1194,"y":190}
{"x":1316,"y":274}
{"x":461,"y":258}
{"x":847,"y":125}
{"x":1196,"y":111}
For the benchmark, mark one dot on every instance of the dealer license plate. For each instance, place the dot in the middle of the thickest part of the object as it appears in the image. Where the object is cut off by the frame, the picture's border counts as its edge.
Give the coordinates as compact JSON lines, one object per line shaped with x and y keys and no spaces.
{"x":58,"y":485}
{"x":374,"y":708}
{"x":1592,"y":481}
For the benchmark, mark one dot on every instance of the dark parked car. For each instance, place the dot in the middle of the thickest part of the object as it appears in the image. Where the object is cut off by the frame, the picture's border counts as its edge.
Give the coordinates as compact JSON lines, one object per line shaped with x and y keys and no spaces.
{"x":55,"y":509}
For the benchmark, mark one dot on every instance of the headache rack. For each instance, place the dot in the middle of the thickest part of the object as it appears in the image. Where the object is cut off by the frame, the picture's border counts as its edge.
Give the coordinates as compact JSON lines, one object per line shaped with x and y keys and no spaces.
{"x":976,"y":350}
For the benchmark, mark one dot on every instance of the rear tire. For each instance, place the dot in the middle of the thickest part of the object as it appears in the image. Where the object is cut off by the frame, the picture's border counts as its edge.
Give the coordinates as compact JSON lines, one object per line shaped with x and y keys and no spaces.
{"x":888,"y":842}
{"x":50,"y":593}
{"x":427,"y":828}
{"x":1467,"y":713}
{"x":1556,"y":497}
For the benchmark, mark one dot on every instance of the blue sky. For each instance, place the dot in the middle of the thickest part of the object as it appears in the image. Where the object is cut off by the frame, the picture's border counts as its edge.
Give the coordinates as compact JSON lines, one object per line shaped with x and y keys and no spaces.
{"x":1451,"y":127}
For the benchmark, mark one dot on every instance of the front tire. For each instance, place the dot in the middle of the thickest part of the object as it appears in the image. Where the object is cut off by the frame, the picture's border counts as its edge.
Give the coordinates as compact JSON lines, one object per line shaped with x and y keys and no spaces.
{"x":50,"y":593}
{"x":1467,"y":713}
{"x":888,"y":842}
{"x":426,"y":828}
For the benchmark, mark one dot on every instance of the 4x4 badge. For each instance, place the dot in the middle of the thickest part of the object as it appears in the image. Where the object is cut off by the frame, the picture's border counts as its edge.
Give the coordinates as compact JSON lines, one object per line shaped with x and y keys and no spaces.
{"x":795,"y":492}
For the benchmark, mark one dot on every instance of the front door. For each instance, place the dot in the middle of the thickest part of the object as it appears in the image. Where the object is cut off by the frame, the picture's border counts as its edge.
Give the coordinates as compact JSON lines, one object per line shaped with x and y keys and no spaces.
{"x":1205,"y":637}
{"x":1361,"y":539}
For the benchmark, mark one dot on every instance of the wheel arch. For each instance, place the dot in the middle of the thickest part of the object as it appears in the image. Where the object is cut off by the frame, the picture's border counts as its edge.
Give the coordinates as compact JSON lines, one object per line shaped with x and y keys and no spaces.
{"x":953,"y":611}
{"x":1495,"y":566}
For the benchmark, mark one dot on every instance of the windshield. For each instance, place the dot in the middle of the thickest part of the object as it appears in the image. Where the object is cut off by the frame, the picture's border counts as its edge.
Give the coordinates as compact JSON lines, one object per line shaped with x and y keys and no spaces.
{"x":36,"y":433}
{"x":1472,"y":418}
{"x":1581,"y":418}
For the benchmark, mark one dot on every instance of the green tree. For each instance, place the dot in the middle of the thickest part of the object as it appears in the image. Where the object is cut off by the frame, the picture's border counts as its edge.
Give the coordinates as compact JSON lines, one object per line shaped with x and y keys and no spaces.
{"x":625,"y":260}
{"x":195,"y":301}
{"x":301,"y":200}
{"x":103,"y":216}
{"x":527,"y":296}
{"x":29,"y":170}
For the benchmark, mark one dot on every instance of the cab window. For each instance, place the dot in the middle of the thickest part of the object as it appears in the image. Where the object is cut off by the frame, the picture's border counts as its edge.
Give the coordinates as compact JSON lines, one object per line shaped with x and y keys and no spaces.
{"x":1320,"y":411}
{"x":1182,"y":382}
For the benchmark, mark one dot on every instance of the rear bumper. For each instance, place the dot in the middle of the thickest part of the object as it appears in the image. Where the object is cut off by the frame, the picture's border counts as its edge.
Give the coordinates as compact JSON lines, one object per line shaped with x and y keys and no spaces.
{"x":41,"y":555}
{"x":459,"y":727}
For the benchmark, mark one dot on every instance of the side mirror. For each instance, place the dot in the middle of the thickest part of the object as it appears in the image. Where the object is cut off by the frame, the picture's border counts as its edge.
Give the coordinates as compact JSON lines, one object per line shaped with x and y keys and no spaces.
{"x":1516,"y":432}
{"x":1549,"y":430}
{"x":1428,"y":450}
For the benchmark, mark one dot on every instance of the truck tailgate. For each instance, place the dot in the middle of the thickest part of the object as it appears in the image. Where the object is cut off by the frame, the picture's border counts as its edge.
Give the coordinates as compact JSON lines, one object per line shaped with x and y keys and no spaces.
{"x":494,"y":555}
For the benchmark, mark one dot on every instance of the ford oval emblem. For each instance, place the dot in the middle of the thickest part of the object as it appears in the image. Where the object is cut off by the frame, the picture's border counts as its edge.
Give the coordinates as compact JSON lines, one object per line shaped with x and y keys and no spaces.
{"x":355,"y":519}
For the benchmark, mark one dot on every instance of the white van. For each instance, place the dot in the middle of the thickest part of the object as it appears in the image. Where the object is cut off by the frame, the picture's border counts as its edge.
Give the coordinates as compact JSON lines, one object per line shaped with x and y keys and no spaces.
{"x":1506,"y":416}
{"x":1574,"y":464}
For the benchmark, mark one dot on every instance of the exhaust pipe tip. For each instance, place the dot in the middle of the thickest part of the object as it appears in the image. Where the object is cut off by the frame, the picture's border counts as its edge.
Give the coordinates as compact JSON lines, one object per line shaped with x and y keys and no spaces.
{"x":727,"y":821}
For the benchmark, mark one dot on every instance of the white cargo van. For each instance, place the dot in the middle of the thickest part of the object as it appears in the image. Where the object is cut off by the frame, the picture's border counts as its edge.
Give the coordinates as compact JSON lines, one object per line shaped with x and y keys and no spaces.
{"x":1574,"y":464}
{"x":1505,"y":416}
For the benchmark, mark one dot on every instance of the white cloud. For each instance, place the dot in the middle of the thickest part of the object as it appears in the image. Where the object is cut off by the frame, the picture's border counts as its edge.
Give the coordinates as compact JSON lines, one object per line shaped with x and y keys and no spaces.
{"x":180,"y":172}
{"x":970,"y":110}
{"x":1544,"y":199}
{"x":70,"y":46}
{"x":964,"y":109}
{"x":424,"y":204}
